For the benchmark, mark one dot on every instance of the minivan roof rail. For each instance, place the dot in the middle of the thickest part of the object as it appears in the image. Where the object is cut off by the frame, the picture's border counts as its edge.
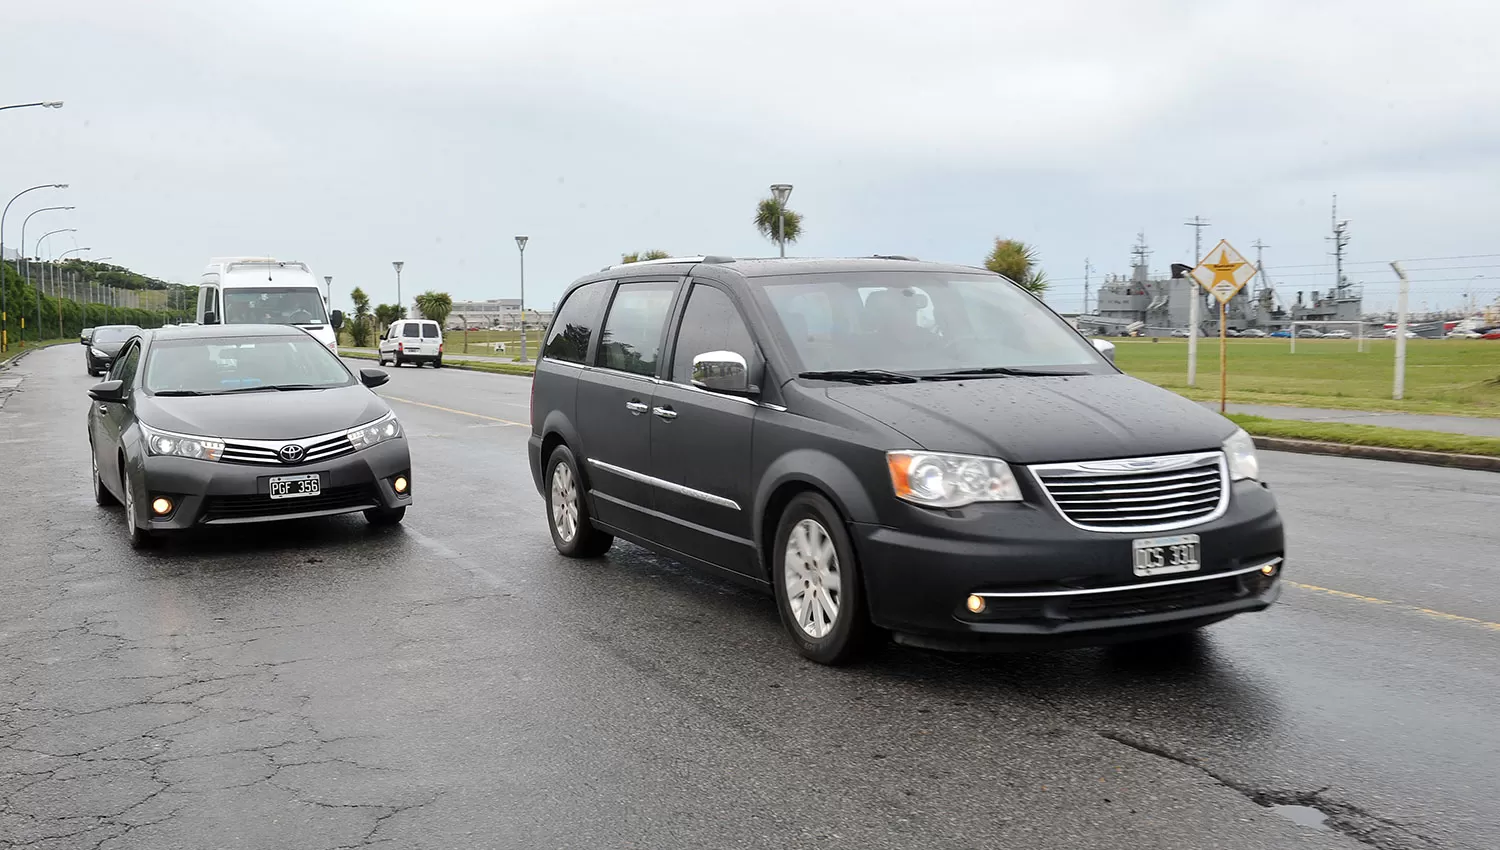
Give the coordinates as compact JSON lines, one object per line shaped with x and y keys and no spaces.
{"x":893,"y":257}
{"x":705,"y":258}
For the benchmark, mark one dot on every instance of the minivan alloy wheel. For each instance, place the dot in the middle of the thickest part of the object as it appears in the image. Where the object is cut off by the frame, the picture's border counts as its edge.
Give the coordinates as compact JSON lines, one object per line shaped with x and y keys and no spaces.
{"x":564,"y":502}
{"x":814,"y":583}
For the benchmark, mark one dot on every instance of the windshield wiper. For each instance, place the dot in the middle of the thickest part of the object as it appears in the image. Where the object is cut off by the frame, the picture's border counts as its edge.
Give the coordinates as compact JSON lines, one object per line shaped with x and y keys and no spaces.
{"x":269,"y":387}
{"x":860,"y":376}
{"x":1005,"y":370}
{"x":180,"y":392}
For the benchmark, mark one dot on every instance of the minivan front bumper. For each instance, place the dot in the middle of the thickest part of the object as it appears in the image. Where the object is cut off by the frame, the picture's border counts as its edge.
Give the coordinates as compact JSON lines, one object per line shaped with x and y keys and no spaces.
{"x":1046,"y":582}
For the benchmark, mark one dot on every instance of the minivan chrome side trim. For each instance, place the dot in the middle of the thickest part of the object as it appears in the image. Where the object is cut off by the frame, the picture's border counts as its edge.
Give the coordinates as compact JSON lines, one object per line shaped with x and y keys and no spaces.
{"x":587,"y":368}
{"x":665,"y":485}
{"x":1274,"y":562}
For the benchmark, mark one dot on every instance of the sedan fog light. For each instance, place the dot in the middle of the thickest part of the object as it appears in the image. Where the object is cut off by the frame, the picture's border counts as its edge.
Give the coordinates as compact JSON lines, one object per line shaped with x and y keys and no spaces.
{"x":1268,"y":569}
{"x":161,"y":506}
{"x":400,"y":484}
{"x":975,"y":604}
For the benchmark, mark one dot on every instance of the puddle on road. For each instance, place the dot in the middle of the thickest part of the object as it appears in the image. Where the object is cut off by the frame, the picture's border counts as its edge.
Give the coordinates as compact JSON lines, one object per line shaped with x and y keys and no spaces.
{"x":1303,"y":816}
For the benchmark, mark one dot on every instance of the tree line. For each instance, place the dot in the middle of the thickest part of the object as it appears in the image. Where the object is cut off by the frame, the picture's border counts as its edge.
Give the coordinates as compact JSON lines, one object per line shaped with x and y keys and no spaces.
{"x":368,"y":323}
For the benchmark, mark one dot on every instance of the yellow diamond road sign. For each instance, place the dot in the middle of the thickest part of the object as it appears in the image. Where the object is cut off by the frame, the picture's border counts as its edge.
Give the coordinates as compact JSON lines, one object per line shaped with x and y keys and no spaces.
{"x":1223,"y":272}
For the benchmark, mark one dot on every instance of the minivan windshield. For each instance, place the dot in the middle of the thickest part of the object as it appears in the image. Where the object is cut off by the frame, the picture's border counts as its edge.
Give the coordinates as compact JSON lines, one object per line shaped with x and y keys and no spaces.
{"x":922,"y":323}
{"x":274,"y":305}
{"x":236,"y":364}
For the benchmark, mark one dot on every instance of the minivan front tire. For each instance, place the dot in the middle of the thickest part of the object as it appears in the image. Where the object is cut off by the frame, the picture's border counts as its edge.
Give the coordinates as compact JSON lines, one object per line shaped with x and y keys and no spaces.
{"x":819,"y":590}
{"x":573,"y":531}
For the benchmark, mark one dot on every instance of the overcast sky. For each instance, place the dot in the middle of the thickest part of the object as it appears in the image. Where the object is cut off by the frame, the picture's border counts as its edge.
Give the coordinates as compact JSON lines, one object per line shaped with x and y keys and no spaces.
{"x":350,"y":133}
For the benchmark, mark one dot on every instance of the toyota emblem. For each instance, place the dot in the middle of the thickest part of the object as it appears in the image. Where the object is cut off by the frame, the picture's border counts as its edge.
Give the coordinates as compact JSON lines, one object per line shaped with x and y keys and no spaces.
{"x":291,"y":453}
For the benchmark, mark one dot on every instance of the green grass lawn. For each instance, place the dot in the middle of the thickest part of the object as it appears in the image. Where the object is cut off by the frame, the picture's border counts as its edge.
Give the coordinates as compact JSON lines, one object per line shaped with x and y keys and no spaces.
{"x":1442,"y":375}
{"x":478,"y":342}
{"x":1368,"y":435}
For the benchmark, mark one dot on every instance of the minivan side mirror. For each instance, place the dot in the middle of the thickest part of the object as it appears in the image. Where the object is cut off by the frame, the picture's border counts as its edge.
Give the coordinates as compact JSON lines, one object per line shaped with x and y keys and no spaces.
{"x":109,"y":391}
{"x":373,"y":378}
{"x":210,"y":317}
{"x":1106,"y":348}
{"x":337,"y":319}
{"x":722,"y":372}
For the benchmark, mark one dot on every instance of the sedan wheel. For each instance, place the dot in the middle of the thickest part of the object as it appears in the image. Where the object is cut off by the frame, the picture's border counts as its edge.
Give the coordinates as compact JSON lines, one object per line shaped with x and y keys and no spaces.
{"x":102,"y":495}
{"x":139,"y":537}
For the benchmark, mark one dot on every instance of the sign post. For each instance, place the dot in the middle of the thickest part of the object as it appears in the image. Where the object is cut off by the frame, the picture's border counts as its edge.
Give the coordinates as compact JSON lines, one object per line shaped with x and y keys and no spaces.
{"x":1223,"y":273}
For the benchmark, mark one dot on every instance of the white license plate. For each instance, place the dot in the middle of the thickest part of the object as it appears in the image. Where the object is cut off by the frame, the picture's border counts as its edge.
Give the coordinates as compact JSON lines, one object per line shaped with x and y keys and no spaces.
{"x":413,"y":349}
{"x":1157,"y":555}
{"x":295,"y":486}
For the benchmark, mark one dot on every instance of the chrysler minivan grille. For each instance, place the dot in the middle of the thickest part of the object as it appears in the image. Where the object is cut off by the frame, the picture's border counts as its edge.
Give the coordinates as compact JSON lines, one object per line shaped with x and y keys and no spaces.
{"x":1138,"y":494}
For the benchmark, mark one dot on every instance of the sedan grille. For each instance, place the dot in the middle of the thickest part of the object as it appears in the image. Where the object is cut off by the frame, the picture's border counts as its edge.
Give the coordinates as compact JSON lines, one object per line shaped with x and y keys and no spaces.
{"x":1139,"y":494}
{"x":232,"y":508}
{"x":325,"y":447}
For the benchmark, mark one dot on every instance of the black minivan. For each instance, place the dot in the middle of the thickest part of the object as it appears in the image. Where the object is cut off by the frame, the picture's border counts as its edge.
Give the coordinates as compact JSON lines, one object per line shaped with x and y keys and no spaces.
{"x":893,"y":446}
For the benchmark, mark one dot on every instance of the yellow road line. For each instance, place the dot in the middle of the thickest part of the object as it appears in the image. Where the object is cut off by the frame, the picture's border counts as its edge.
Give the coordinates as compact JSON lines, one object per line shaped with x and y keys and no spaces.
{"x":1416,"y":609}
{"x":459,"y":412}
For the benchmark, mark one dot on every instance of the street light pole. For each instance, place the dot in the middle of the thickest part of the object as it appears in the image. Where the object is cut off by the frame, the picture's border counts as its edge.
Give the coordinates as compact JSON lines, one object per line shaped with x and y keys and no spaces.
{"x":328,"y":282}
{"x":521,"y":244}
{"x":59,"y":309}
{"x":44,"y":273}
{"x":4,"y":314}
{"x":24,"y":222}
{"x":45,"y":104}
{"x":781,"y":191}
{"x":397,"y":264}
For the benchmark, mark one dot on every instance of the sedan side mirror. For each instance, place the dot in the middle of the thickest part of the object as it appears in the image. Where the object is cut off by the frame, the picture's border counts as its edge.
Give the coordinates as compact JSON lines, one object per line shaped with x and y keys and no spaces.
{"x":337,"y":319}
{"x":109,"y":391}
{"x":1105,"y":347}
{"x":722,"y":372}
{"x":373,"y":378}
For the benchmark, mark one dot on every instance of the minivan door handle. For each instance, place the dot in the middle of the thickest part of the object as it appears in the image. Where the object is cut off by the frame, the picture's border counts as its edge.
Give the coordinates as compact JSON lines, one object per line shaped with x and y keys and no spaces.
{"x":664,"y":412}
{"x":636,"y":407}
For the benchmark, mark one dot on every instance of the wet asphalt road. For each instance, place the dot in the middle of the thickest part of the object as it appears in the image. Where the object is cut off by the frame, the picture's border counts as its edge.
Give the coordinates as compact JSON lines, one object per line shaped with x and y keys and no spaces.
{"x":454,"y":683}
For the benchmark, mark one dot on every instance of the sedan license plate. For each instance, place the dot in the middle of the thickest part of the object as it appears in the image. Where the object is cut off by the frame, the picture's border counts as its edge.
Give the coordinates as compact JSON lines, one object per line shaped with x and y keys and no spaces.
{"x":1157,"y":555}
{"x":295,"y":486}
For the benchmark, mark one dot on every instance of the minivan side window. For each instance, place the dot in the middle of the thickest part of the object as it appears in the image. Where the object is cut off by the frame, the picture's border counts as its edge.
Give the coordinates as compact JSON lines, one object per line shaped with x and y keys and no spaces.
{"x":710,"y":323}
{"x":631,"y":339}
{"x":429,"y":330}
{"x":573,"y":329}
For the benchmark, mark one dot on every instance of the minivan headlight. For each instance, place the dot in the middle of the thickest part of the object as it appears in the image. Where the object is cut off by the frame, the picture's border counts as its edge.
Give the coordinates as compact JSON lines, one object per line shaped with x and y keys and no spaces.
{"x":937,"y":480}
{"x":382,"y":429}
{"x":167,"y":444}
{"x":1239,"y":450}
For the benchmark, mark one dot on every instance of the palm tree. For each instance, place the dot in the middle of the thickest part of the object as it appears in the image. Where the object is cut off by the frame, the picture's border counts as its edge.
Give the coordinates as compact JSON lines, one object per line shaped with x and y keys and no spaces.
{"x":768,"y":219}
{"x":359,"y":329}
{"x":435,"y":306}
{"x":1017,"y":261}
{"x":386,"y":314}
{"x":637,"y":256}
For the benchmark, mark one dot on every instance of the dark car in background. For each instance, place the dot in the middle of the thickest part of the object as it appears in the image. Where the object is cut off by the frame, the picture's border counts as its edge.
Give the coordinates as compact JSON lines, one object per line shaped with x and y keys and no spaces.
{"x":103,"y":345}
{"x":229,"y":424}
{"x":83,"y":335}
{"x":893,"y":446}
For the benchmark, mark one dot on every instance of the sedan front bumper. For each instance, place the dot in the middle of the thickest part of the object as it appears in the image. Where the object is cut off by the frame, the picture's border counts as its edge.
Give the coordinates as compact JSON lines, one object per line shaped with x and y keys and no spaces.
{"x":220,"y":493}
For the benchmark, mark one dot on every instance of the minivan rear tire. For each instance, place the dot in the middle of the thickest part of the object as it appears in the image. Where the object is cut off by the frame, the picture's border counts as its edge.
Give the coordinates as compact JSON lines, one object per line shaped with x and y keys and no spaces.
{"x":565,"y":504}
{"x":850,"y":633}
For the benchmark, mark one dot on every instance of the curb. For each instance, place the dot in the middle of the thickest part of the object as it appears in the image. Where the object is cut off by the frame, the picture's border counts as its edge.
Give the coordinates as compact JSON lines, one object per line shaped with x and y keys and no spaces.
{"x":449,"y":364}
{"x":1313,"y":447}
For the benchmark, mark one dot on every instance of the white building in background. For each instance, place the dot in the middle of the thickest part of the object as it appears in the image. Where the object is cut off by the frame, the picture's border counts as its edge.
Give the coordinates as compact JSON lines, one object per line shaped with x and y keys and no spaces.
{"x":493,"y":313}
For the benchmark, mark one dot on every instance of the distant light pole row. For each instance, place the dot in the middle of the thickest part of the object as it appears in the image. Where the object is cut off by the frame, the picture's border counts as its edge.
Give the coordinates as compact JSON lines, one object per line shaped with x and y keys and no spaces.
{"x":4,"y":307}
{"x":45,"y":104}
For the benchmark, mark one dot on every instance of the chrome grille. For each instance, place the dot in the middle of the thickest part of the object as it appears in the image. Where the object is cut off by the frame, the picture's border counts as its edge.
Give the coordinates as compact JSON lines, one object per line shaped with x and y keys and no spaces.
{"x":1138,"y":494}
{"x":319,"y":448}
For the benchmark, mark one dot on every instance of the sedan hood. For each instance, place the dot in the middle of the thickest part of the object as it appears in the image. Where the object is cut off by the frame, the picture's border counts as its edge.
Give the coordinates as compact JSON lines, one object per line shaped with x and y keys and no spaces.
{"x":269,"y":415}
{"x":1038,"y":420}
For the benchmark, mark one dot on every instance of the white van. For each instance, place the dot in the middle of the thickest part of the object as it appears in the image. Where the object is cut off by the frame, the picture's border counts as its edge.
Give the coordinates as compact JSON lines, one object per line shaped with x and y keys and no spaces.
{"x":264,"y":290}
{"x":413,"y":341}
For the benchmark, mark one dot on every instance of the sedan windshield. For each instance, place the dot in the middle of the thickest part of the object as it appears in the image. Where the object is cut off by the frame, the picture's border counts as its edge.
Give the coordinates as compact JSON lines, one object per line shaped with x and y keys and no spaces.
{"x":221,"y":365}
{"x":923,"y":323}
{"x":119,"y":334}
{"x":273,"y":306}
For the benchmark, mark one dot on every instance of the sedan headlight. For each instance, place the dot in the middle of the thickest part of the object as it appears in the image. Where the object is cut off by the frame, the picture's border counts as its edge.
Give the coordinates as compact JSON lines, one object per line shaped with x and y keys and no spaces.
{"x":382,"y":429}
{"x":937,"y":480}
{"x":1239,"y":449}
{"x":96,"y":352}
{"x":165,"y":443}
